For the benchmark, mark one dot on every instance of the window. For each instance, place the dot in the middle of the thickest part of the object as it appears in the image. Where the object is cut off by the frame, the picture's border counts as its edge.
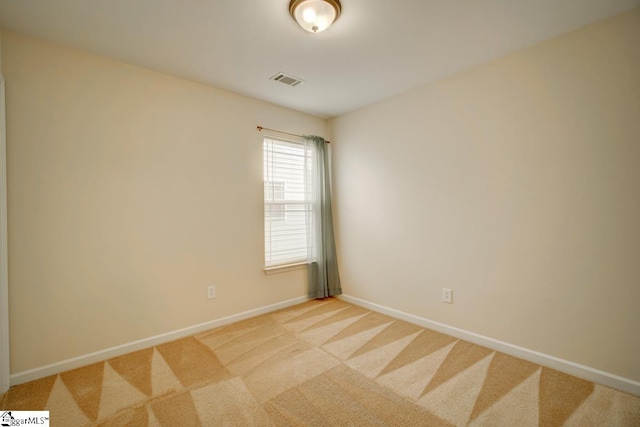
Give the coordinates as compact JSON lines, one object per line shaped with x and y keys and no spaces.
{"x":286,"y":207}
{"x":274,"y":195}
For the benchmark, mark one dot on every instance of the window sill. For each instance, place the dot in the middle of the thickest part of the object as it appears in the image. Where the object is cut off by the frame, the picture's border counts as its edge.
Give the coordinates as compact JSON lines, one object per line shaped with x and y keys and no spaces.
{"x":284,"y":268}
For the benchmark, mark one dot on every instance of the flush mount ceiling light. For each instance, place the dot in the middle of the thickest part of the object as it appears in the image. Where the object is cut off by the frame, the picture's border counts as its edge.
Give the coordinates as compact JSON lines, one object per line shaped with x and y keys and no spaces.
{"x":315,"y":15}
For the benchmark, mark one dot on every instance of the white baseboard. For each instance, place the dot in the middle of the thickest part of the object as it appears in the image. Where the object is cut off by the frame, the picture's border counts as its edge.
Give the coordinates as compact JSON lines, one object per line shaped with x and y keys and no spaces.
{"x":98,"y":356}
{"x":595,"y":375}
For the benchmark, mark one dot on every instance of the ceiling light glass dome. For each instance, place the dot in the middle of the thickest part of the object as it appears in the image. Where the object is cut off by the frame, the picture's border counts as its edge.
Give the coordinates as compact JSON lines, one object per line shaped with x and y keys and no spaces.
{"x":315,"y":15}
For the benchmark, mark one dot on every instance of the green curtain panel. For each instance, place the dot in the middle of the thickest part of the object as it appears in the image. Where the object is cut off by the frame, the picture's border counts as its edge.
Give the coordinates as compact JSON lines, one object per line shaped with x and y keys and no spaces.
{"x":324,"y":279}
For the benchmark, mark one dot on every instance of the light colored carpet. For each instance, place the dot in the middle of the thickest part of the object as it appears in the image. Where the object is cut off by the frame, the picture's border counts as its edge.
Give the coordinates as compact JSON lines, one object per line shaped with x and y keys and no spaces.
{"x":316,"y":364}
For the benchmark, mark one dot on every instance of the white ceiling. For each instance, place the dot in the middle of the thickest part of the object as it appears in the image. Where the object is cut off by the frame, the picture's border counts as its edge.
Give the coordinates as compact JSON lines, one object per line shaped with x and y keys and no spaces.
{"x":376,"y":49}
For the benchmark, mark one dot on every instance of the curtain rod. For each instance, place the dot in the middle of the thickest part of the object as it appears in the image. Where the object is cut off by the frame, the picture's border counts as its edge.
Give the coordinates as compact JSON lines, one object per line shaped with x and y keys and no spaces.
{"x":260,"y":128}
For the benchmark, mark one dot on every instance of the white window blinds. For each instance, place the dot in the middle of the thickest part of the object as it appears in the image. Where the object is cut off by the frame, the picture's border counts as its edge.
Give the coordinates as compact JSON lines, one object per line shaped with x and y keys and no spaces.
{"x":286,"y":203}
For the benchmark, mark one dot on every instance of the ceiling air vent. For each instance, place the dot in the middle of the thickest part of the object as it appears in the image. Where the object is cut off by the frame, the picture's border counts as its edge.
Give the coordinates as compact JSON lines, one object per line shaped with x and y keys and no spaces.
{"x":287,"y":79}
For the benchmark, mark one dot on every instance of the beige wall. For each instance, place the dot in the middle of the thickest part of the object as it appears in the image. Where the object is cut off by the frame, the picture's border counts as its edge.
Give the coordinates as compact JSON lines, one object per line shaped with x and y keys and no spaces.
{"x":129,"y":192}
{"x":516,"y":184}
{"x":4,"y":296}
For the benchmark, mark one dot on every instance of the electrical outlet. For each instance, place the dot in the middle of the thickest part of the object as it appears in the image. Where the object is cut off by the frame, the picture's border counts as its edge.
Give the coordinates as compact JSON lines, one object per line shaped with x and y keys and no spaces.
{"x":211,"y":292}
{"x":447,"y":295}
